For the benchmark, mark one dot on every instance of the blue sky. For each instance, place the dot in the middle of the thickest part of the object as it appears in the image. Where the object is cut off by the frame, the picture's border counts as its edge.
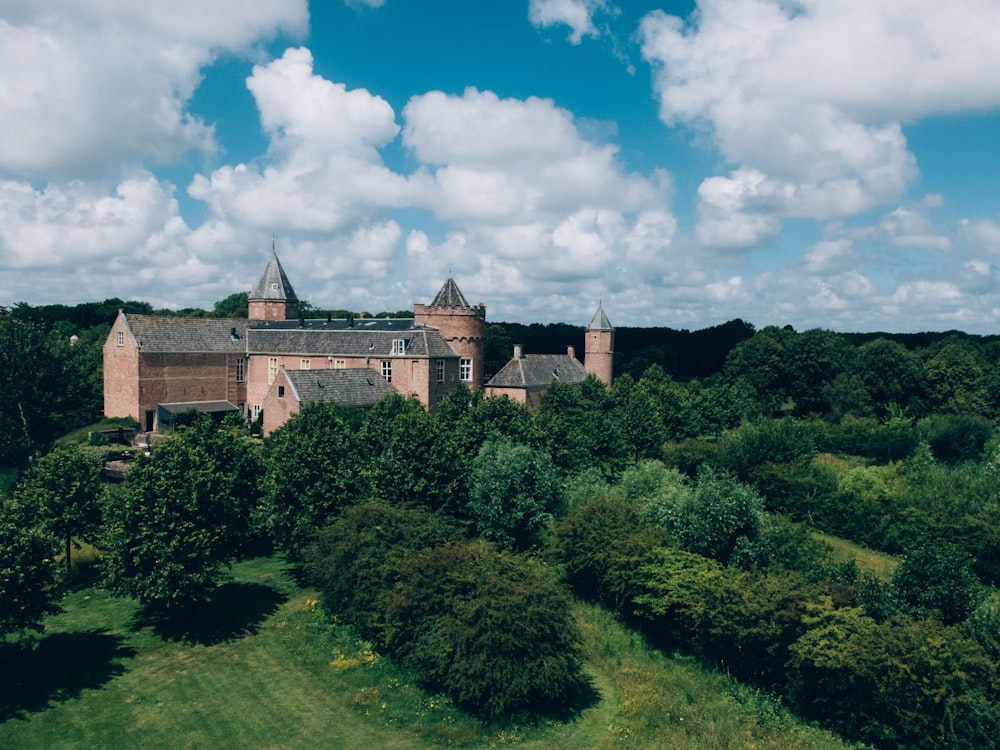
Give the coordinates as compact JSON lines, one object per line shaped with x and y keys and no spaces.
{"x":819,"y":163}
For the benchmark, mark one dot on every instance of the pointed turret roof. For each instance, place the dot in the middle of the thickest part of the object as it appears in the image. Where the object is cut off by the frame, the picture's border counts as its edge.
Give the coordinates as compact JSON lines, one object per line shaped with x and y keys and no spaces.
{"x":273,"y":284}
{"x":600,"y":321}
{"x":450,"y":296}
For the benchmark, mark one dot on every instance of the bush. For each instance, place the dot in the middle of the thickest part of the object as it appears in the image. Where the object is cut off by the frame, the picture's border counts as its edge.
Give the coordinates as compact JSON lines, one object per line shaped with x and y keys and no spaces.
{"x":939,"y":582}
{"x":720,"y":518}
{"x":354,"y":560}
{"x":599,"y":545}
{"x":768,"y":440}
{"x":492,"y":629}
{"x":956,"y":437}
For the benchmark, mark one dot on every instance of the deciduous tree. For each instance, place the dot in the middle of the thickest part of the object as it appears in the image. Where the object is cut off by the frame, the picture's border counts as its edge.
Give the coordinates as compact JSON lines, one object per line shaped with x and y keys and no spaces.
{"x":514,"y":491}
{"x":29,"y":573}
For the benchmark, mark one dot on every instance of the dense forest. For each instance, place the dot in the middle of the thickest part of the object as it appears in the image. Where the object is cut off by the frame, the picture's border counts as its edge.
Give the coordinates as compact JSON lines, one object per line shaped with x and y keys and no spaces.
{"x":697,"y":498}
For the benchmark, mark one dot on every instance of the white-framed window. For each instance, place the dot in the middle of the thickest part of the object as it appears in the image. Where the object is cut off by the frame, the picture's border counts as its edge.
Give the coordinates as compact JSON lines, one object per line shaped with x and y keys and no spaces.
{"x":240,"y":370}
{"x":339,"y":364}
{"x":256,"y":411}
{"x":305,"y":364}
{"x":281,"y":391}
{"x":121,"y":338}
{"x":272,"y":369}
{"x":387,"y":370}
{"x":465,"y":369}
{"x":439,"y":370}
{"x":398,"y":347}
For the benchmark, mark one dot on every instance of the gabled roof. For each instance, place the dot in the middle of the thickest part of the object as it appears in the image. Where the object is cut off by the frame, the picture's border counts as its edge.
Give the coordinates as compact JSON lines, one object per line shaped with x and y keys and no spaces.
{"x":450,"y":296}
{"x":273,"y":284}
{"x":538,"y":371}
{"x":160,"y":333}
{"x":600,"y":321}
{"x":359,"y":341}
{"x":352,"y":388}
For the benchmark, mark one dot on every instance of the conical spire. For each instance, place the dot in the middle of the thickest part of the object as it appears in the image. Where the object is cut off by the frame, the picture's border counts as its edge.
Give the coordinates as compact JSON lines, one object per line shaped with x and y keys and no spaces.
{"x":450,"y":296}
{"x":600,"y":321}
{"x":273,"y":283}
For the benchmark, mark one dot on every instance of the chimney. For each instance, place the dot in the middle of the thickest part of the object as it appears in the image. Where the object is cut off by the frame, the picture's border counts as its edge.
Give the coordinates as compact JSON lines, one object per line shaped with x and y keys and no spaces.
{"x":571,"y":352}
{"x":517,"y":352}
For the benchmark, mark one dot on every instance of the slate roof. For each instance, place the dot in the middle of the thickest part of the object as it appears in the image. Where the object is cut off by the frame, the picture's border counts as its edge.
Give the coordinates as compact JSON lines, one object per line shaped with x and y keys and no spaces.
{"x":273,"y":284}
{"x":352,"y":388}
{"x":158,"y":333}
{"x":450,"y":296}
{"x":359,"y":341}
{"x":600,"y":321}
{"x":538,"y":371}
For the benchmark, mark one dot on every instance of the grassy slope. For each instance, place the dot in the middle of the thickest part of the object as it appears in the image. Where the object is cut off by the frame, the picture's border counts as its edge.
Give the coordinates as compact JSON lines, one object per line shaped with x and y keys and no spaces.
{"x":271,"y":673}
{"x":878,"y":564}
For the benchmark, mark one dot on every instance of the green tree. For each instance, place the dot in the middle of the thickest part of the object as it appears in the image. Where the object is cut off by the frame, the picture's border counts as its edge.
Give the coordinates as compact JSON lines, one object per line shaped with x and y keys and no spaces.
{"x":413,"y":457}
{"x":891,"y":374}
{"x":577,"y":426}
{"x":315,"y":467}
{"x":169,"y":535}
{"x":66,"y":486}
{"x":955,"y":376}
{"x":29,"y":574}
{"x":47,"y":387}
{"x":721,"y":519}
{"x":514,"y":491}
{"x":493,"y":629}
{"x":938,"y":581}
{"x":762,"y":362}
{"x":357,"y":558}
{"x":233,"y":306}
{"x":816,"y":358}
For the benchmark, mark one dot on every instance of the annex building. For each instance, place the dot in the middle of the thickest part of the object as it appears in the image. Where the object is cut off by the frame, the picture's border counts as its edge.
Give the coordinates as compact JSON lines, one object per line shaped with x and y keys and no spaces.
{"x":273,"y":363}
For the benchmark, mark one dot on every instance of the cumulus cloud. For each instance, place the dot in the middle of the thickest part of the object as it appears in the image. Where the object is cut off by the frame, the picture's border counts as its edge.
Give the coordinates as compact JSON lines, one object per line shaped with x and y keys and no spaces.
{"x":323,"y":170}
{"x":578,"y":15}
{"x":808,"y":97}
{"x":92,"y":84}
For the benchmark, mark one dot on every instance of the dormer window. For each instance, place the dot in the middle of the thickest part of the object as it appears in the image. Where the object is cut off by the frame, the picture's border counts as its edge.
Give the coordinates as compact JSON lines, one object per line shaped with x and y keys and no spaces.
{"x":398,"y":347}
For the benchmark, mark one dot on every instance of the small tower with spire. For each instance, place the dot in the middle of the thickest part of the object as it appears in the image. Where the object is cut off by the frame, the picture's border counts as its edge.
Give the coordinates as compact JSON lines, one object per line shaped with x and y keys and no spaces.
{"x":272,"y":297}
{"x":600,"y":347}
{"x":462,"y":325}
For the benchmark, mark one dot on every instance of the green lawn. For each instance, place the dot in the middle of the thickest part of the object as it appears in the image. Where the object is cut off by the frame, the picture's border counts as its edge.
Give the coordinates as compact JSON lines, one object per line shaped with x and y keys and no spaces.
{"x":266,"y":670}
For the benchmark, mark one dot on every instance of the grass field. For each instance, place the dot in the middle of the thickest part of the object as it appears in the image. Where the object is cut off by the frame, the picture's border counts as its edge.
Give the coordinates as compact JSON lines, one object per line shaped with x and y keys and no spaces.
{"x":265,"y":669}
{"x":879,"y":564}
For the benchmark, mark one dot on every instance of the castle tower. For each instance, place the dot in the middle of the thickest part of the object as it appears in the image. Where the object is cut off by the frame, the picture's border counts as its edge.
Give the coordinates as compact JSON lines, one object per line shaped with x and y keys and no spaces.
{"x":272,"y":297}
{"x":600,"y":347}
{"x":462,"y":325}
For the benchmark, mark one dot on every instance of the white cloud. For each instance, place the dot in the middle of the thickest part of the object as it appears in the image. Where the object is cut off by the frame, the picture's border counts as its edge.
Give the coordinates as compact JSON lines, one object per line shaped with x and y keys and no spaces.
{"x":982,"y":234}
{"x":86,"y":86}
{"x":810,"y":96}
{"x":577,"y":14}
{"x":323,"y":171}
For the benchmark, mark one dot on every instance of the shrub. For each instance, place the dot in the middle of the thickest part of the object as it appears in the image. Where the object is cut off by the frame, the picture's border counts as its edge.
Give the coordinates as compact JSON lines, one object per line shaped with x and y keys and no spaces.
{"x":719,"y":518}
{"x":492,"y":629}
{"x":937,"y":581}
{"x":354,"y":560}
{"x":956,"y":437}
{"x":776,"y":440}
